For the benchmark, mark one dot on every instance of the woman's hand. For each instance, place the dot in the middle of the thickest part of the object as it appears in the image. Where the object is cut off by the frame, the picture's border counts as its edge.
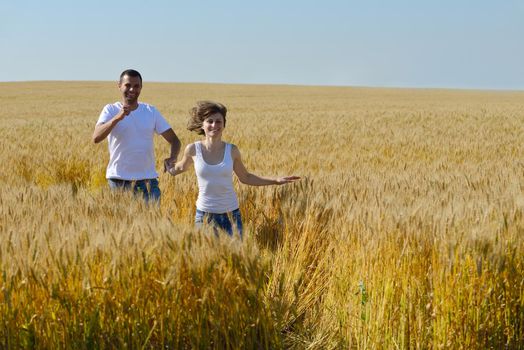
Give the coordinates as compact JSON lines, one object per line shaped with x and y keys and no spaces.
{"x":184,"y":164}
{"x":287,"y":179}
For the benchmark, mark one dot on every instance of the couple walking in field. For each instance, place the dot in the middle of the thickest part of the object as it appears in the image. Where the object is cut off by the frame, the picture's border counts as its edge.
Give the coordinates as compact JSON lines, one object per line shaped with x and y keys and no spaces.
{"x":130,"y":126}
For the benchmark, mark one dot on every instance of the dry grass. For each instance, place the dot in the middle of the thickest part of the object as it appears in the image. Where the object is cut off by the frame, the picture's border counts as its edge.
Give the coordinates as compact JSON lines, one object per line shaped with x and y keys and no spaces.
{"x":406,"y":232}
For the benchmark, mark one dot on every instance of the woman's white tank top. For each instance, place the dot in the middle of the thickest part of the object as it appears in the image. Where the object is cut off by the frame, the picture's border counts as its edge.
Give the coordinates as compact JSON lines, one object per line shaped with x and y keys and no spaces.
{"x":215,"y":183}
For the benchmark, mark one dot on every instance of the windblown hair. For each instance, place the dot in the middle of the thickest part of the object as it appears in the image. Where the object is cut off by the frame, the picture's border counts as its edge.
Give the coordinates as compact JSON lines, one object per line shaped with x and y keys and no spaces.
{"x":131,"y":73}
{"x":201,"y":111}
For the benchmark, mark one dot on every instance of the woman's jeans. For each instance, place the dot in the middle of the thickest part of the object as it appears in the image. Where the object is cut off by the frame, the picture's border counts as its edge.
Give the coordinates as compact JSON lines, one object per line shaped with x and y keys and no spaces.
{"x":140,"y":187}
{"x":220,"y":222}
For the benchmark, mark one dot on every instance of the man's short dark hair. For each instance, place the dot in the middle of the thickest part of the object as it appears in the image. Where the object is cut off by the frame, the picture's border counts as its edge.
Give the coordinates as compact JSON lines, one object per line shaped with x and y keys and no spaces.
{"x":130,"y":73}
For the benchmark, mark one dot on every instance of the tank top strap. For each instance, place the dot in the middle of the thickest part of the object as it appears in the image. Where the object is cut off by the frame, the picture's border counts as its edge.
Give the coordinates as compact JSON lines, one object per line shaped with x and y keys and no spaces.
{"x":198,"y":149}
{"x":227,"y":153}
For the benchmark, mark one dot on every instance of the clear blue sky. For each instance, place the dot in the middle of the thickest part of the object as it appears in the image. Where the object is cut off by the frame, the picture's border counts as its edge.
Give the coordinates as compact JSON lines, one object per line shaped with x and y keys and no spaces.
{"x":454,"y":44}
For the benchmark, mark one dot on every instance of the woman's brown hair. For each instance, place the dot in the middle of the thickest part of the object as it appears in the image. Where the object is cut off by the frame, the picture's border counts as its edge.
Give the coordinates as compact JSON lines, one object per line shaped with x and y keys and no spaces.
{"x":201,"y":111}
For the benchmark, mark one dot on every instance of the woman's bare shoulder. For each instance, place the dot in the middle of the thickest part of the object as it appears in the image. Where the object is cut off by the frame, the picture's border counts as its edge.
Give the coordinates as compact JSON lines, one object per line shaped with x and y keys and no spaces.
{"x":190,"y":149}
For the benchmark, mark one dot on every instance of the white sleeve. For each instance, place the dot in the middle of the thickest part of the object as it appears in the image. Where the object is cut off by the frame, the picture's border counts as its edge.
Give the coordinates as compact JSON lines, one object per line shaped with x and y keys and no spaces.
{"x":161,"y":123}
{"x":106,"y":115}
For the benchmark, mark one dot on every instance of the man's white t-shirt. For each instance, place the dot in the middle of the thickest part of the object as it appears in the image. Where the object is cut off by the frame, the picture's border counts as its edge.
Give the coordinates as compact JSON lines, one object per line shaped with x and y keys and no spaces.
{"x":131,"y":149}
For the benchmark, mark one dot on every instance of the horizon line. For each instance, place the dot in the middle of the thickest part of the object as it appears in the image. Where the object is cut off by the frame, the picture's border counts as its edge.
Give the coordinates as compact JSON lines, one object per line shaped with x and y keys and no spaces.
{"x":400,"y":87}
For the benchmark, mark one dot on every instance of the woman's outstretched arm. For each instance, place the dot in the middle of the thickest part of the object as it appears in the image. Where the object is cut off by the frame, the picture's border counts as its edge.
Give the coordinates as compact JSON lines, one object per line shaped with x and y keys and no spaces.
{"x":184,"y":163}
{"x":254,"y":180}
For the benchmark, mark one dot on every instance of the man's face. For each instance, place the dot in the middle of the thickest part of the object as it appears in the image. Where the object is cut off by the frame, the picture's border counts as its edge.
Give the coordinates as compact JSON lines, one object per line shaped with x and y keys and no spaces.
{"x":130,"y":88}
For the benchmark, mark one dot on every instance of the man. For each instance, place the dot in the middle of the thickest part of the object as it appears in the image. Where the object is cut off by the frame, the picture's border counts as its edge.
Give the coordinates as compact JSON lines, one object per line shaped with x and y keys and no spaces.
{"x":130,"y":126}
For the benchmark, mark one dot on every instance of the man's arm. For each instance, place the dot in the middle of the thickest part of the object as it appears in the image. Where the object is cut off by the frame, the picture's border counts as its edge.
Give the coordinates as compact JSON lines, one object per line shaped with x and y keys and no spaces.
{"x":102,"y":130}
{"x":171,"y":137}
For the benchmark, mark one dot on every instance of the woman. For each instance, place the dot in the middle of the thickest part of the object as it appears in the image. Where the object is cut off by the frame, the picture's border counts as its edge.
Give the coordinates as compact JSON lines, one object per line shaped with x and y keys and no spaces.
{"x":215,"y":161}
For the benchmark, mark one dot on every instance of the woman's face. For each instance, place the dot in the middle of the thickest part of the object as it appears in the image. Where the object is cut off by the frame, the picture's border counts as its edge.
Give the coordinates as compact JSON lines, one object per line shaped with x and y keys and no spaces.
{"x":213,"y":125}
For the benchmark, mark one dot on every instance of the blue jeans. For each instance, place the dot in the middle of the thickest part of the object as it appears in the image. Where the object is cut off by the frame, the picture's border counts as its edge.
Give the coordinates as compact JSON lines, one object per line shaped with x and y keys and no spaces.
{"x":139,"y":187}
{"x":220,"y":221}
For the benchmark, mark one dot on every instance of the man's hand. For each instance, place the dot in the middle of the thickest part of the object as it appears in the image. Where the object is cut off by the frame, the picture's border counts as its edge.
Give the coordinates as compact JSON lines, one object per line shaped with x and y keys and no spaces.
{"x":103,"y":129}
{"x":123,"y":113}
{"x":169,"y":163}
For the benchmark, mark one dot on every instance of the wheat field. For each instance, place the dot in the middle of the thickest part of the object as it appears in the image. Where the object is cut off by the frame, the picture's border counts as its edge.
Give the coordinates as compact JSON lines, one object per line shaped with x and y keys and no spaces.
{"x":405,"y":232}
